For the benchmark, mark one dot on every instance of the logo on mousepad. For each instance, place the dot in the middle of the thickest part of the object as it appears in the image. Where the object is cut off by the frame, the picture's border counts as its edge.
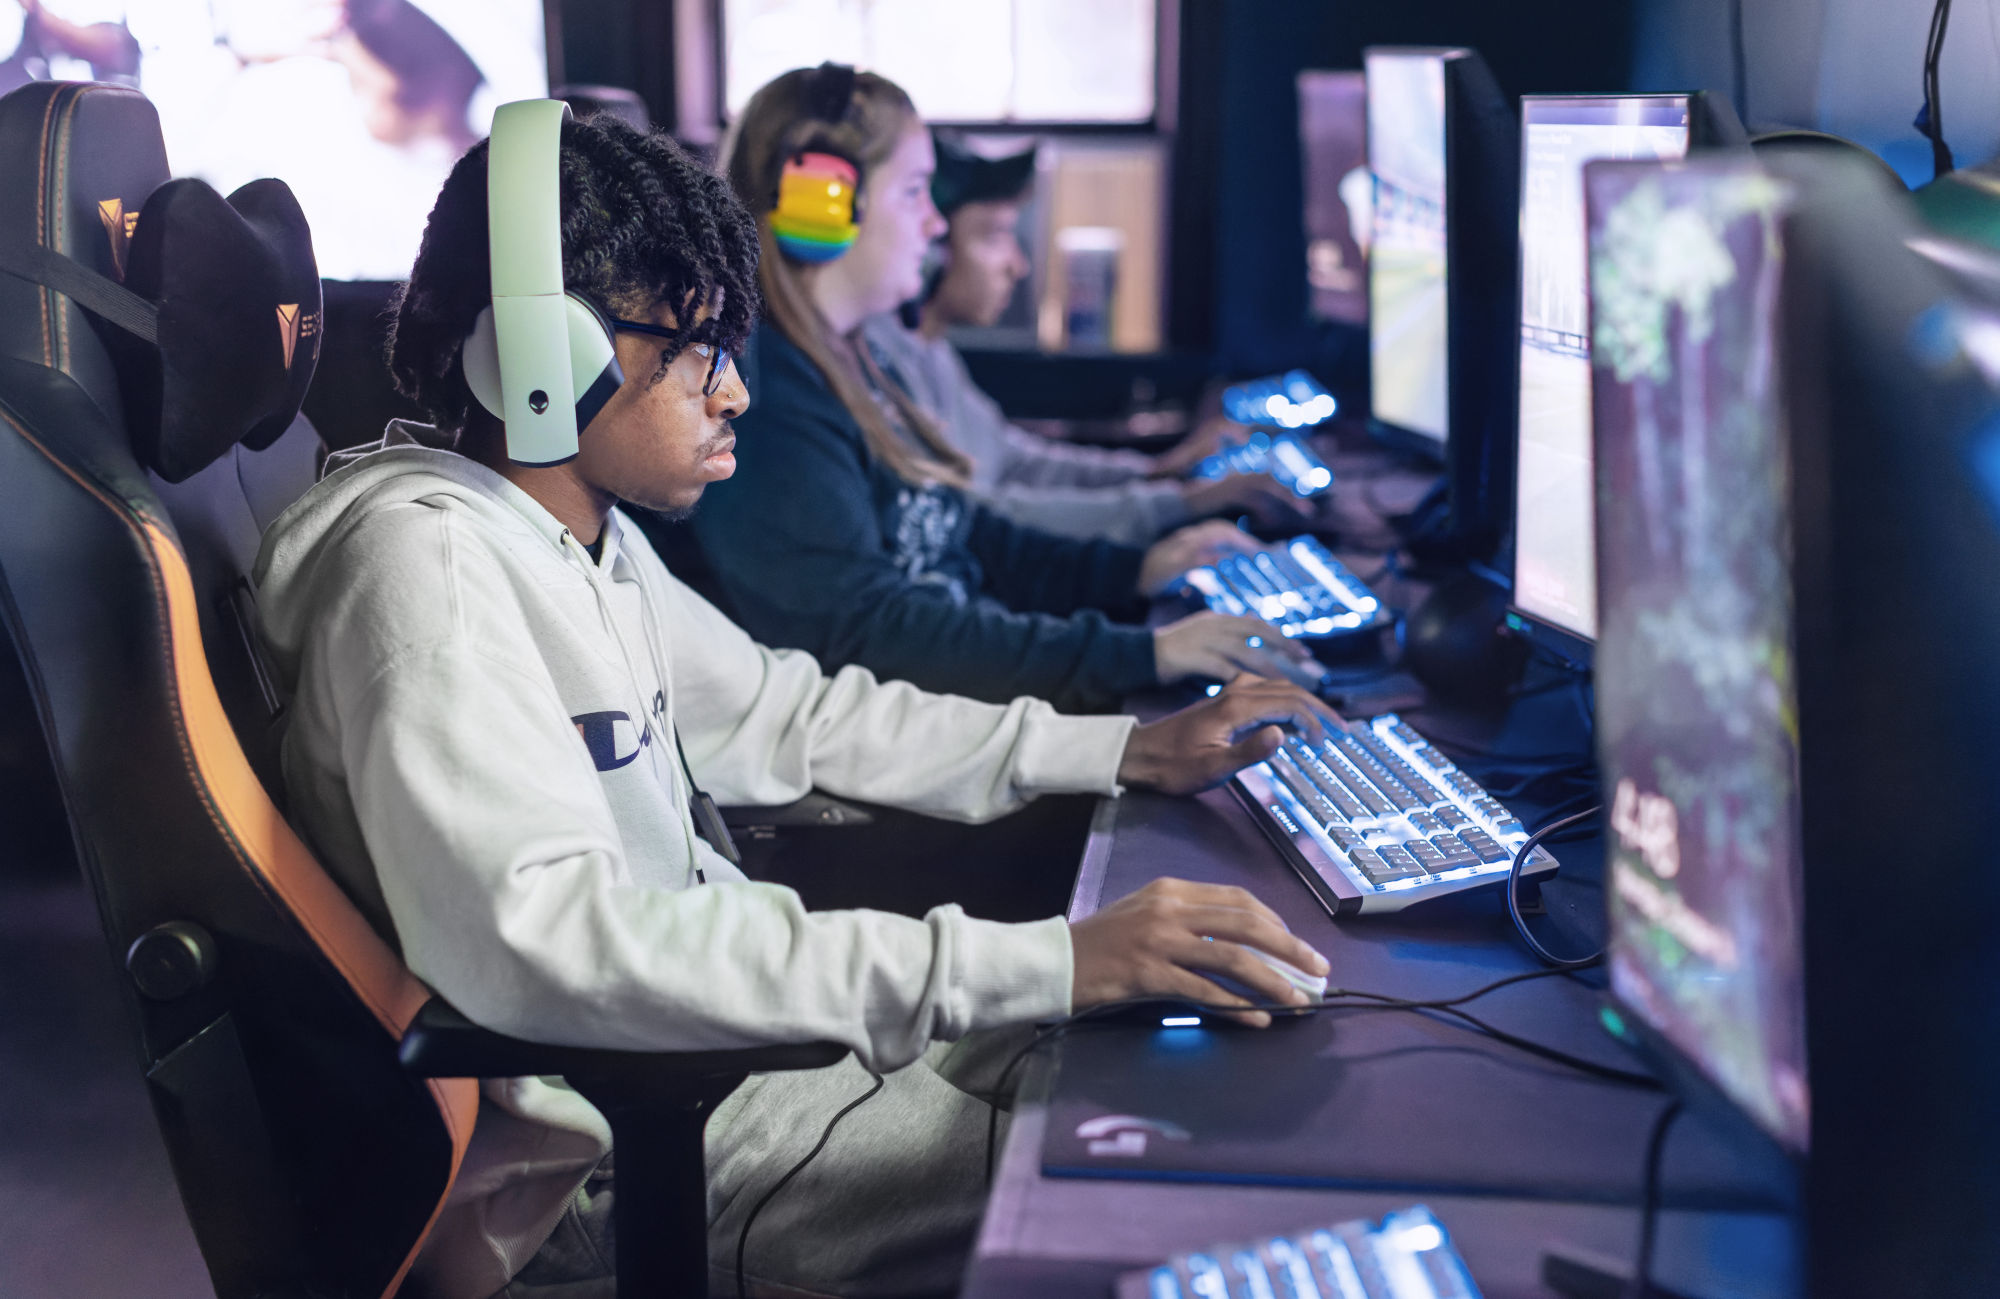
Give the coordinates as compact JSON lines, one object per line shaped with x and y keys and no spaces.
{"x":1124,"y":1136}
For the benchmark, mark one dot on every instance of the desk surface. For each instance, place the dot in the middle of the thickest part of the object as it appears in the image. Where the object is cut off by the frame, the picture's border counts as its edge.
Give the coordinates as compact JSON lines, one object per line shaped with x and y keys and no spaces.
{"x":1067,"y":1235}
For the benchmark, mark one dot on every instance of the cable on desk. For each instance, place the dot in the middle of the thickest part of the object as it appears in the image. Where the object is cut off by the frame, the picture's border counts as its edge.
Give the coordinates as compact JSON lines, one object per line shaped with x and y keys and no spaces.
{"x":743,"y":1237}
{"x":1649,"y":1200}
{"x":1534,"y":945}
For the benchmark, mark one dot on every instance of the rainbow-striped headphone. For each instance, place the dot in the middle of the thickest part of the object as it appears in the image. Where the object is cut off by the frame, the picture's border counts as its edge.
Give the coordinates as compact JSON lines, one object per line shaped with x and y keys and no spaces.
{"x":816,"y":216}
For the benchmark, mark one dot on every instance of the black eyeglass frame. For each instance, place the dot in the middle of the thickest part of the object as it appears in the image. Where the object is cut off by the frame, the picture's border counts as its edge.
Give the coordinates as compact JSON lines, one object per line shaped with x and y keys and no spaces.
{"x":717,"y":363}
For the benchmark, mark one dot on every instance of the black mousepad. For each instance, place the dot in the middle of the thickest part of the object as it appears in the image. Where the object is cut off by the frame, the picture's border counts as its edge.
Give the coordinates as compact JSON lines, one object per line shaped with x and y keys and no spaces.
{"x":1373,"y":1100}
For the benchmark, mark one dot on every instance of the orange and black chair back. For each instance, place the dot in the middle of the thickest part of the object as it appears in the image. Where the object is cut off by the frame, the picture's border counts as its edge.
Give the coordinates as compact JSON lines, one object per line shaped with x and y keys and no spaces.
{"x":269,"y":1012}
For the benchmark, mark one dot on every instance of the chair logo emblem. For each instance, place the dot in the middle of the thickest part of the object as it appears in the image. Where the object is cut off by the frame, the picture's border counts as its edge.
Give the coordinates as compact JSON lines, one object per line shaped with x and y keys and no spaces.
{"x":118,"y":227}
{"x":294,"y":325}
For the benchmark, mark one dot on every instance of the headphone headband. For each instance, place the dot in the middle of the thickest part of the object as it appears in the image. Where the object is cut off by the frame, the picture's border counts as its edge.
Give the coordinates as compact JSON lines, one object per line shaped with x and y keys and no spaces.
{"x":830,"y":91}
{"x":528,"y":350}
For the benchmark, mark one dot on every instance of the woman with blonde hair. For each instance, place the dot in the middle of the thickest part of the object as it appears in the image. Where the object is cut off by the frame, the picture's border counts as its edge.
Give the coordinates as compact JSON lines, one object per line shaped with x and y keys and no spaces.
{"x":847,"y":530}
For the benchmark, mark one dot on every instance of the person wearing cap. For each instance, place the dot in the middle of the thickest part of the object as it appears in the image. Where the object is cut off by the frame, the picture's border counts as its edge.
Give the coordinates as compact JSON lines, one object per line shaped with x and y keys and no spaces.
{"x":1077,"y":491}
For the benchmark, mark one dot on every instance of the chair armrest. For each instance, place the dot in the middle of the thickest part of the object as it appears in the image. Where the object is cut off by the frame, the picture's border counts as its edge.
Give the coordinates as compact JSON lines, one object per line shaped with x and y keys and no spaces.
{"x":442,"y":1043}
{"x":814,"y":809}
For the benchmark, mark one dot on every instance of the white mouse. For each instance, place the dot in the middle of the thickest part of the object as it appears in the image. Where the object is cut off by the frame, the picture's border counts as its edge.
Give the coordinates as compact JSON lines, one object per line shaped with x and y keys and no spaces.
{"x":1313,"y":985}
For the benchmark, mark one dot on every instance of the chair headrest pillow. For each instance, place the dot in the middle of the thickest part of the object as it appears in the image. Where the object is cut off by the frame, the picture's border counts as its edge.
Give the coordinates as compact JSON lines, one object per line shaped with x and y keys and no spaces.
{"x":240,"y":321}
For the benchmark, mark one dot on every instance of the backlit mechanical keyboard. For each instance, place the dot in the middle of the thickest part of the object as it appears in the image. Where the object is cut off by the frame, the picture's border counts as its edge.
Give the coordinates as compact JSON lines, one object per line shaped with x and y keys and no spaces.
{"x":1290,"y":400}
{"x":1408,"y":1256}
{"x":1298,"y":587}
{"x":1284,"y":456}
{"x":1376,"y":818}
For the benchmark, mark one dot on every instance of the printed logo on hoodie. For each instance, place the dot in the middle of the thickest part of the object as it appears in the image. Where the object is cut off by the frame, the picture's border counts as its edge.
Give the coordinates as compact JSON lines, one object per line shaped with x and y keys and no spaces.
{"x":613,"y":739}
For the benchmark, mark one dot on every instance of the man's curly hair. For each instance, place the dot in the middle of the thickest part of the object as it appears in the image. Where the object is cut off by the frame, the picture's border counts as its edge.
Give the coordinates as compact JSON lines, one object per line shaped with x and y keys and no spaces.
{"x":642,"y":223}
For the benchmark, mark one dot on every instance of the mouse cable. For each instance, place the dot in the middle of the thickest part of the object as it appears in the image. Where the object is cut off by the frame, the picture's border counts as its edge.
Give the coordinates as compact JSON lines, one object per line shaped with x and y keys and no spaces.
{"x":1336,"y":999}
{"x":1649,"y":1199}
{"x":1542,"y":953}
{"x":743,"y":1237}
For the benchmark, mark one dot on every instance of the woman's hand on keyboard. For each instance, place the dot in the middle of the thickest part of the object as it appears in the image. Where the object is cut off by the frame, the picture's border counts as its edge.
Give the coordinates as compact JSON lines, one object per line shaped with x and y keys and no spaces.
{"x":1205,"y":744}
{"x":1274,"y":504}
{"x":1191,"y":547}
{"x":1155,"y":942}
{"x":1224,"y":647}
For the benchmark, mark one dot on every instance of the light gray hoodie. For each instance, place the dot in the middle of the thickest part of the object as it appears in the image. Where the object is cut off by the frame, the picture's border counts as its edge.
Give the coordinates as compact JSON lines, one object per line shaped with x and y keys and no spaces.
{"x":481,"y":750}
{"x":1059,"y":487}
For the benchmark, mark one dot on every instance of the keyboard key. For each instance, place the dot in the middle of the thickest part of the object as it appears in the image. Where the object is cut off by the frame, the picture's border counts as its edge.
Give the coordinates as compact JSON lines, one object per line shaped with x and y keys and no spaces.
{"x":1376,"y":870}
{"x":1396,"y":857}
{"x":1302,"y":789}
{"x":1425,"y":854}
{"x":1454,"y":852}
{"x":1351,"y":775}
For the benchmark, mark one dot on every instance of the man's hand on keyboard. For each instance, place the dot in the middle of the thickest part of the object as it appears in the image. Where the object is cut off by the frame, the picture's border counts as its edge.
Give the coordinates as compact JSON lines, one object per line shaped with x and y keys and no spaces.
{"x":1206,"y":743}
{"x":1153,"y":943}
{"x":1224,"y":647}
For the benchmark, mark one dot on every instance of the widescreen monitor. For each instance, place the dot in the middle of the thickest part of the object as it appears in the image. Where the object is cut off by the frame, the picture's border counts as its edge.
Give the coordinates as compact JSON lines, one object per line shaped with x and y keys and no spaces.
{"x":1555,"y":578}
{"x":361,"y":108}
{"x":1443,"y":148}
{"x":1697,"y":702}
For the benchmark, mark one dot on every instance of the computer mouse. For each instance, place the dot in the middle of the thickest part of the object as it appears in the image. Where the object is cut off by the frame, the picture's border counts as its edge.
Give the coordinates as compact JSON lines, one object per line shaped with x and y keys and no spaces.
{"x":1313,"y":985}
{"x":1155,"y":1012}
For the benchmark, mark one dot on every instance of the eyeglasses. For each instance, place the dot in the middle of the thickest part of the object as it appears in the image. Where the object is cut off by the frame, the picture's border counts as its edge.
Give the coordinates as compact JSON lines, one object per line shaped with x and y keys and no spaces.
{"x":718,"y":357}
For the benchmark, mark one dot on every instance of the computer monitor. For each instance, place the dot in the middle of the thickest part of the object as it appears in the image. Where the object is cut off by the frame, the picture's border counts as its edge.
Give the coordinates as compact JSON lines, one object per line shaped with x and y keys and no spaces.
{"x":1555,"y":581}
{"x":1333,"y":145}
{"x":1442,"y":145}
{"x":361,"y":109}
{"x":1696,"y":681}
{"x":1799,"y":421}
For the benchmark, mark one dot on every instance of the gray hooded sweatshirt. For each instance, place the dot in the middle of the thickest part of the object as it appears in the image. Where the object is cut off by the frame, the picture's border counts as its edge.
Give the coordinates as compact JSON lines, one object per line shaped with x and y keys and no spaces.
{"x":481,"y":750}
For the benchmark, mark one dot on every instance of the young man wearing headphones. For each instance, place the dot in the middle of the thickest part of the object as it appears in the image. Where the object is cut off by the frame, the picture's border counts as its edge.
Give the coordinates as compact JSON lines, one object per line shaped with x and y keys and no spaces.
{"x":505,"y":713}
{"x":1077,"y":491}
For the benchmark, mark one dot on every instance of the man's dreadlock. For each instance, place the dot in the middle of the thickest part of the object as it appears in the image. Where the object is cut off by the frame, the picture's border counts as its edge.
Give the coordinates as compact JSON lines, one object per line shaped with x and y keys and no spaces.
{"x":642,"y":223}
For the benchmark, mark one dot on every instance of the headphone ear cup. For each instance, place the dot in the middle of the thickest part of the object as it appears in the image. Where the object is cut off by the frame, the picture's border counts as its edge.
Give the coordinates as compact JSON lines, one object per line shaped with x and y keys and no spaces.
{"x":593,"y":360}
{"x":480,"y":359}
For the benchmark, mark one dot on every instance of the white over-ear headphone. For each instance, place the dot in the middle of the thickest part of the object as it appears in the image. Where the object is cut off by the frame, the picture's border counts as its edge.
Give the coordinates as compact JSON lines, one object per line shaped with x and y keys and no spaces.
{"x":540,"y":359}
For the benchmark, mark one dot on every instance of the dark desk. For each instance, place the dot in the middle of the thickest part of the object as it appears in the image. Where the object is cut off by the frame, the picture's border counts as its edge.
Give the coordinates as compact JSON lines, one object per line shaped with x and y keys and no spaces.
{"x":1425,"y":1110}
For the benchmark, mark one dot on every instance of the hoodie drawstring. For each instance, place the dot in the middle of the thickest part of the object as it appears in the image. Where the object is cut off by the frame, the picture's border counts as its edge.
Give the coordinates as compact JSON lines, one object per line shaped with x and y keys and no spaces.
{"x":576,"y":550}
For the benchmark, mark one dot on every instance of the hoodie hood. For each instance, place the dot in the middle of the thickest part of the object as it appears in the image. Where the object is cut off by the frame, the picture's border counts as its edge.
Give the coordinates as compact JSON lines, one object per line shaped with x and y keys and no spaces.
{"x":412,"y":464}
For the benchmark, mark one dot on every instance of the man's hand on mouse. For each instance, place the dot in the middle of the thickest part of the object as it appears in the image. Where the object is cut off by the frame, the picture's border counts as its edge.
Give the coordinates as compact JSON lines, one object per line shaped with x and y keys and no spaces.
{"x":1155,"y":942}
{"x":1206,"y":743}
